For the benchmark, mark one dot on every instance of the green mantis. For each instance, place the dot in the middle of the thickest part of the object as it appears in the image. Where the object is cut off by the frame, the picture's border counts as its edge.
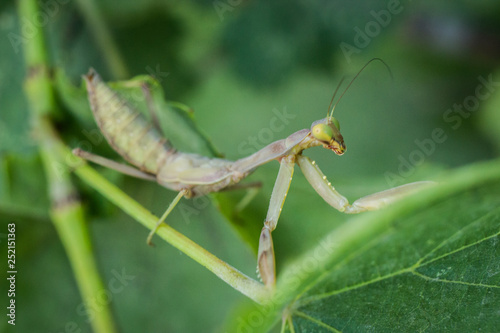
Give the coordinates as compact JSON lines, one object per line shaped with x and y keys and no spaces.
{"x":194,"y":175}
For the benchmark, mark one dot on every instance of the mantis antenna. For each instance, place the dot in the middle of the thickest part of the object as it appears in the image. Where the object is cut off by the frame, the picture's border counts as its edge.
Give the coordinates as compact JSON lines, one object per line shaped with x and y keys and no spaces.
{"x":333,"y":97}
{"x":352,"y":81}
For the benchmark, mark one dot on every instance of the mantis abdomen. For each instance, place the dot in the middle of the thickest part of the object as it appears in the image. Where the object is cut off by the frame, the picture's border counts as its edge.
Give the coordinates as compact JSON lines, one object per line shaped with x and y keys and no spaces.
{"x":125,"y":128}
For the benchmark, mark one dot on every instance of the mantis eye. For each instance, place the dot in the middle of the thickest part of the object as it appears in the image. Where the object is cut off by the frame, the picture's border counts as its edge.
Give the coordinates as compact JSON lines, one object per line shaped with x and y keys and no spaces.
{"x":335,"y":122}
{"x":322,"y":132}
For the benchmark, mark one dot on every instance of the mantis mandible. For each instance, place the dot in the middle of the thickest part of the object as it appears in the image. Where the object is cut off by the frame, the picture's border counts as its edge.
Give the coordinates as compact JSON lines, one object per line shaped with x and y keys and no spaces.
{"x":194,"y":175}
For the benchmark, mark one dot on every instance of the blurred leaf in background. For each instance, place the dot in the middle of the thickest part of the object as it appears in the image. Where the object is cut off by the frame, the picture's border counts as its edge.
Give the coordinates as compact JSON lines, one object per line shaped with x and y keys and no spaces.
{"x":240,"y":65}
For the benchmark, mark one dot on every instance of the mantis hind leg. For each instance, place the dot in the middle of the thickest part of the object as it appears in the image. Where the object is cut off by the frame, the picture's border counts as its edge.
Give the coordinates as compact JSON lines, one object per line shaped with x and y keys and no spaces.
{"x":123,"y":168}
{"x":131,"y":171}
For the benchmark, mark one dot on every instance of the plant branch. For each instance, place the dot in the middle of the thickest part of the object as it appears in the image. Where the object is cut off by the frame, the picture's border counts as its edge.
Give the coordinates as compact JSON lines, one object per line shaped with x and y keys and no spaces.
{"x":66,"y":210}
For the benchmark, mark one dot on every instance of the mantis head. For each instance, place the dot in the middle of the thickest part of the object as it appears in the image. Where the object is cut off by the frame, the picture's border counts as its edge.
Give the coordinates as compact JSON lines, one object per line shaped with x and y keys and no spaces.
{"x":327,"y":132}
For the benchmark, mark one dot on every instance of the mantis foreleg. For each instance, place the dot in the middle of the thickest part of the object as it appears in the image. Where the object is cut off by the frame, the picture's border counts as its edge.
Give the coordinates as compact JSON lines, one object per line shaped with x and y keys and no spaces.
{"x":265,"y":258}
{"x":371,"y":202}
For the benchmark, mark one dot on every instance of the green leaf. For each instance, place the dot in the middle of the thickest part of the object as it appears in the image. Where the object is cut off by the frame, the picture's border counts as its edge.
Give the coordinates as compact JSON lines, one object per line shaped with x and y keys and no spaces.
{"x":429,"y":263}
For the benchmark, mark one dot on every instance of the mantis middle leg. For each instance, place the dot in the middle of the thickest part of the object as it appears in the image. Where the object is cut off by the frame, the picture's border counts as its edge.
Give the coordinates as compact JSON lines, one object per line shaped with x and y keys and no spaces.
{"x":172,"y":205}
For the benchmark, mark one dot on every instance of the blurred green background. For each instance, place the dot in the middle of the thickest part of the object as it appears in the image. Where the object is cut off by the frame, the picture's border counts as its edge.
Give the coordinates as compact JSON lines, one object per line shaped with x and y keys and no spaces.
{"x":238,"y":64}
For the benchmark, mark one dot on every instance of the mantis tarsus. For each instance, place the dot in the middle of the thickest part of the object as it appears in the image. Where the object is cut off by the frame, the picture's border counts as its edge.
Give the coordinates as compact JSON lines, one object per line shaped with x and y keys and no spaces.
{"x":194,"y":175}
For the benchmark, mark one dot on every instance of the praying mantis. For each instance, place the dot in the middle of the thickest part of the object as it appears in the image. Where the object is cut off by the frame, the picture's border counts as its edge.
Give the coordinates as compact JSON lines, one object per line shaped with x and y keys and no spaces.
{"x":191,"y":175}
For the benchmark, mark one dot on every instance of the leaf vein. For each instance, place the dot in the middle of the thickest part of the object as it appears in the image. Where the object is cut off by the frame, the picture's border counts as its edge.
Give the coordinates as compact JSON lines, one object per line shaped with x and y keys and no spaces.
{"x":317,"y":321}
{"x":359,"y":285}
{"x":458,"y":232}
{"x":419,"y":264}
{"x":482,"y":285}
{"x":344,"y":261}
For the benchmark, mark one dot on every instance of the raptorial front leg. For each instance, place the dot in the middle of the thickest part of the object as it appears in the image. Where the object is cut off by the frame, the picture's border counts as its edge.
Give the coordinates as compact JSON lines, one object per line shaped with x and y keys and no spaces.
{"x":265,"y":258}
{"x":384,"y":198}
{"x":371,"y":202}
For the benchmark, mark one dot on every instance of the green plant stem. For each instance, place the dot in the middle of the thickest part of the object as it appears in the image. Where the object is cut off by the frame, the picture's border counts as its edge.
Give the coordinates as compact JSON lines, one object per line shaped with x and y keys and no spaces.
{"x":239,"y":281}
{"x":66,"y":210}
{"x":68,"y":217}
{"x":101,"y":33}
{"x":38,"y":87}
